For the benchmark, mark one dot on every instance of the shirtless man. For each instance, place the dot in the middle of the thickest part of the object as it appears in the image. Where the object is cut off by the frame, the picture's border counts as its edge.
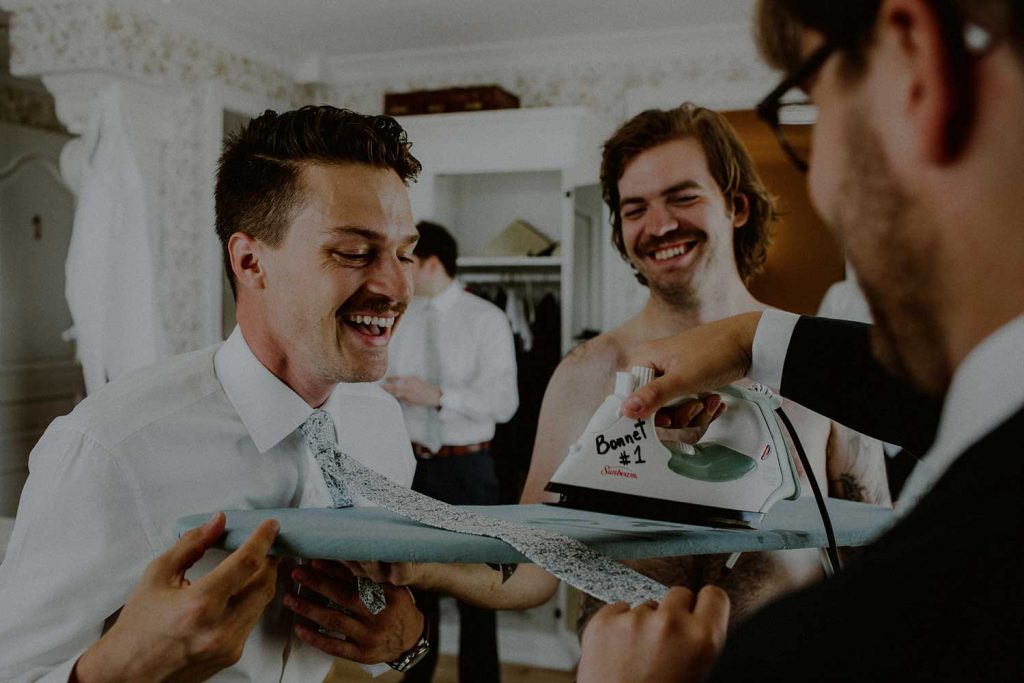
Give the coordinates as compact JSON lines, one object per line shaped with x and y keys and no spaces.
{"x":693,"y":219}
{"x":691,"y":216}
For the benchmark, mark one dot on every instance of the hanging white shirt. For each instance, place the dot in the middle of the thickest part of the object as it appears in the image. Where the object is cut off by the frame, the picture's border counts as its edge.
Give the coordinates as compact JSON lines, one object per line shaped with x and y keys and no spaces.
{"x":206,"y":431}
{"x":478,"y":379}
{"x":111,"y":268}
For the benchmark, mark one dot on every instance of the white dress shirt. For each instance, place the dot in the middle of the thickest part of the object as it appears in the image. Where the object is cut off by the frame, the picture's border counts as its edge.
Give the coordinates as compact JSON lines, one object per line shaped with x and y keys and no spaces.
{"x":205,"y":431}
{"x":111,"y":266}
{"x":986,"y":390}
{"x":478,"y":383}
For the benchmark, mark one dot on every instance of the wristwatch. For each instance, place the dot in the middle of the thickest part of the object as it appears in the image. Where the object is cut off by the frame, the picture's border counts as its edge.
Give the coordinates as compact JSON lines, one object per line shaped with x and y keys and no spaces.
{"x":413,"y":655}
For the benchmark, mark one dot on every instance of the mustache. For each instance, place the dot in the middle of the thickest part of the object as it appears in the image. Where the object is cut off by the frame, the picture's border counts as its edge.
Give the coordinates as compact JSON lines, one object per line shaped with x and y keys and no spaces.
{"x":377,"y":305}
{"x":652,"y":244}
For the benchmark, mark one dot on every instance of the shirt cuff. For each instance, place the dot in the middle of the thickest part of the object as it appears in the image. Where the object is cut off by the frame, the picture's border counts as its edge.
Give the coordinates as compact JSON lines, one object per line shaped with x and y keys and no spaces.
{"x":451,"y":400}
{"x":771,"y":341}
{"x":375,"y":670}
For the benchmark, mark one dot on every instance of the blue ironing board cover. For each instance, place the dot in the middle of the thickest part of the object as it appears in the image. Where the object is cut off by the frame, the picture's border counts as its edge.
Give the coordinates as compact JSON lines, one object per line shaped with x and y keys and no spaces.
{"x":374,"y":534}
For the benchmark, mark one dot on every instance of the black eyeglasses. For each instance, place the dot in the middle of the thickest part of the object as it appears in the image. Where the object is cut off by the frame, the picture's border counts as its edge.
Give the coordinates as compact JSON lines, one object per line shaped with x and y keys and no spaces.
{"x":777,"y":111}
{"x":967,"y":37}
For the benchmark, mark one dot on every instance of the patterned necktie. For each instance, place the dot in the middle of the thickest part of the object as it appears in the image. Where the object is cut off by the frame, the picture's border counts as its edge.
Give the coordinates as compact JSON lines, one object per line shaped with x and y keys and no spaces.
{"x":433,"y":438}
{"x":568,"y":559}
{"x":319,"y":435}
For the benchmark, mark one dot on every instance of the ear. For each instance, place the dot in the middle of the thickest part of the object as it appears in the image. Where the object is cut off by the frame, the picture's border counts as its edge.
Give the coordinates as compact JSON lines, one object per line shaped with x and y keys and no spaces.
{"x":245,"y":261}
{"x":931,"y":97}
{"x":740,"y":210}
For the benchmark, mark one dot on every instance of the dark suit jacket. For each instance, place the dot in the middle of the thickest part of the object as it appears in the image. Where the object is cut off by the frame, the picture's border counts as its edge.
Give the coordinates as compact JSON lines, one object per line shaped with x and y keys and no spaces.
{"x":940,"y":597}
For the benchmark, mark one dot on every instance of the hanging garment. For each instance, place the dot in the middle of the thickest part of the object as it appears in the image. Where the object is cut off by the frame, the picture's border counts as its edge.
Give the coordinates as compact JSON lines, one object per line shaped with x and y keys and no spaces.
{"x":111,"y":268}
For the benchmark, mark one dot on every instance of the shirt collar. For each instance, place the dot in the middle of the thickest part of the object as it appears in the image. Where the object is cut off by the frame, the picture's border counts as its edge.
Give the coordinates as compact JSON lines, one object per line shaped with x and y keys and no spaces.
{"x":987,"y":389}
{"x":268,"y":407}
{"x":447,"y":296}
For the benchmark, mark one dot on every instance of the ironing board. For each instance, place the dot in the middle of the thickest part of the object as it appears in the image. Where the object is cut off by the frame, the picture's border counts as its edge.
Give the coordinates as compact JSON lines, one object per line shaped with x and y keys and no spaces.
{"x":374,"y":534}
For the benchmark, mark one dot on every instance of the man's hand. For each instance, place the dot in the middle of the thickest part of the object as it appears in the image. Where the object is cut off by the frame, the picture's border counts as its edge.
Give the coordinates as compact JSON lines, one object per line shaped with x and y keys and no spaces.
{"x":343,"y":627}
{"x":420,"y":575}
{"x":413,"y":390}
{"x":172,"y":630}
{"x":687,"y":422}
{"x":698,"y":360}
{"x":674,"y":642}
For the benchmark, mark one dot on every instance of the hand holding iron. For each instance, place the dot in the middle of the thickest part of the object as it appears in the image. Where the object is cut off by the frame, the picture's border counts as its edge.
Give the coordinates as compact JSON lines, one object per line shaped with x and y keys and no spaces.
{"x":672,"y":642}
{"x":698,"y":360}
{"x":687,"y":421}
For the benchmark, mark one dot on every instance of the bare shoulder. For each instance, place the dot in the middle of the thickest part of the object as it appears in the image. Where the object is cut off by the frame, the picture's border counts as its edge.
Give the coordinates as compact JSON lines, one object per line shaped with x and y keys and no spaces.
{"x":597,"y":357}
{"x":579,"y":385}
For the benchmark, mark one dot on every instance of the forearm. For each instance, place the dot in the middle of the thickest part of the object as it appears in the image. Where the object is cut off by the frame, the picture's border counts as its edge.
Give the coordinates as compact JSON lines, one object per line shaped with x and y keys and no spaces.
{"x":494,"y":399}
{"x":482,"y":586}
{"x":105,"y":663}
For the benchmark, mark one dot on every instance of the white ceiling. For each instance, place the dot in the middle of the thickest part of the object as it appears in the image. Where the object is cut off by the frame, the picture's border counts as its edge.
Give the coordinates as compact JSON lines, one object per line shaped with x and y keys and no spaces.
{"x":299,"y":29}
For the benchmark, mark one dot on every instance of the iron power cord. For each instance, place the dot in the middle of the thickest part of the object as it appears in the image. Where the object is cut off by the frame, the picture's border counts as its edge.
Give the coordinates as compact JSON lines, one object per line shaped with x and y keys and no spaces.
{"x":831,"y":550}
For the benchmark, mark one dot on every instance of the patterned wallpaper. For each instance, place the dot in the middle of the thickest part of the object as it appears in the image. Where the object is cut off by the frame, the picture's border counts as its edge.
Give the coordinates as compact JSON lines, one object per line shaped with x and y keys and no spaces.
{"x":104,"y":35}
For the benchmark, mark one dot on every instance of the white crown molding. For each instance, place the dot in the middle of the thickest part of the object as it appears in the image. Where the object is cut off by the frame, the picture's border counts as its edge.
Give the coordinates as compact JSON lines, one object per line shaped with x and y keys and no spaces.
{"x":611,"y":48}
{"x":137,"y":41}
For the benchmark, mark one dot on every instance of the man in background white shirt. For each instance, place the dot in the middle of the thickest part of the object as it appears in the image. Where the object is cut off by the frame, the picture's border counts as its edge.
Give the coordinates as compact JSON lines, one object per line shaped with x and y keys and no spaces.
{"x":453,"y":367}
{"x":314,"y":219}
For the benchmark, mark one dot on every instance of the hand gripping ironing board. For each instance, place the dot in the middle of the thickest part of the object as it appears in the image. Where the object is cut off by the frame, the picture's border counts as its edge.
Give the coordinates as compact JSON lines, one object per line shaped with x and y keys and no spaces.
{"x":374,"y":534}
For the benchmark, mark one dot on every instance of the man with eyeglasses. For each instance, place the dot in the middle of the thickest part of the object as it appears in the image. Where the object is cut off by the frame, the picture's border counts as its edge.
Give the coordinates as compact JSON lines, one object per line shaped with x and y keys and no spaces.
{"x":917,"y":163}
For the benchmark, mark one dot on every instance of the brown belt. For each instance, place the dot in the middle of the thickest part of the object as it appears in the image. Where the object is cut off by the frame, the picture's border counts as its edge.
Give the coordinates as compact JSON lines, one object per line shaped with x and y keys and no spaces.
{"x":425,"y":453}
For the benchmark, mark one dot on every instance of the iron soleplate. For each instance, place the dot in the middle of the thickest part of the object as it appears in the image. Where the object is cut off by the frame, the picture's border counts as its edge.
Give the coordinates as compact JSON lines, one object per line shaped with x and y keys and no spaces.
{"x":629,"y":505}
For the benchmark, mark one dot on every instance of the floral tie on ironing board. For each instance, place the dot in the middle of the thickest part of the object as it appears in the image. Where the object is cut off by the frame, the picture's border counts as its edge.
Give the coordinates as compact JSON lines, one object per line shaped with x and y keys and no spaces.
{"x":318,"y":432}
{"x":568,"y":559}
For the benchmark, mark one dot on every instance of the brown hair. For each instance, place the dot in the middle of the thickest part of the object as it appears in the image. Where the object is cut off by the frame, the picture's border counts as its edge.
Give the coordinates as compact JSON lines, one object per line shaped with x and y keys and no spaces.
{"x":728,"y":162}
{"x":850,"y":26}
{"x":851,"y":23}
{"x":258,"y":176}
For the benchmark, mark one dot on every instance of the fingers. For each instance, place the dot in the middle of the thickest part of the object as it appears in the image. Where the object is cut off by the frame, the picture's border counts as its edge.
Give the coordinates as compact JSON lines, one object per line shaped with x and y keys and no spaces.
{"x":327,"y":617}
{"x":341,"y":591}
{"x":648,"y":398}
{"x":241,"y":565}
{"x":336,"y":569}
{"x":679,"y":416}
{"x":248,"y":603}
{"x":331,"y":645}
{"x":712,"y":607}
{"x":193,"y":544}
{"x":378,"y":572}
{"x":709,"y":411}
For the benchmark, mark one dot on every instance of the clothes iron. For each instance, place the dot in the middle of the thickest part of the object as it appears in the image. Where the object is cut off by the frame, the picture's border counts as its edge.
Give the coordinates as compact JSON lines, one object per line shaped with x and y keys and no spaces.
{"x":738,"y":470}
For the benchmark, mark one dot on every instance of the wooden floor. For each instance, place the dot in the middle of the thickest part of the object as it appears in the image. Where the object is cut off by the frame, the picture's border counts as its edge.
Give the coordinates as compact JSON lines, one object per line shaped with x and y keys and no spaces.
{"x":346,"y":672}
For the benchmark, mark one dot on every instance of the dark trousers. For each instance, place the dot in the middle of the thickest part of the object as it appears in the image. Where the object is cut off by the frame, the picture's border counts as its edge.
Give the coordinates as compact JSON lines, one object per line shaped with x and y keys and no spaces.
{"x":459,"y":480}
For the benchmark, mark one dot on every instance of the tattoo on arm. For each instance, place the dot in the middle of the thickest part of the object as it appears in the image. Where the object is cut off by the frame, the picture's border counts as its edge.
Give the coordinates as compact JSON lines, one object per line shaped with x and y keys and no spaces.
{"x":507,"y":570}
{"x":848,"y":487}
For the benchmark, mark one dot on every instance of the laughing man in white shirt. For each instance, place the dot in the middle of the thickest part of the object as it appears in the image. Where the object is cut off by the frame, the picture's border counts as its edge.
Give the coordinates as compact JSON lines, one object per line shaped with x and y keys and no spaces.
{"x":453,"y":367}
{"x":314,"y":218}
